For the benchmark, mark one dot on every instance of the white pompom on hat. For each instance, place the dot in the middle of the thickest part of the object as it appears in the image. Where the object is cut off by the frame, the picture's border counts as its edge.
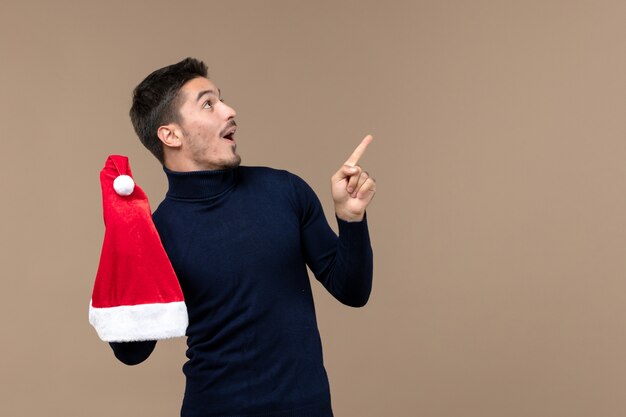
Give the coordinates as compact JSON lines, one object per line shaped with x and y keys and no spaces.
{"x":124,"y":185}
{"x":136,"y":294}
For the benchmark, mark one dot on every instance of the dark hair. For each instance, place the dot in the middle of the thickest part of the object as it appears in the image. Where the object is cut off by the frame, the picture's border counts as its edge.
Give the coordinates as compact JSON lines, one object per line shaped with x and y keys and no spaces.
{"x":156,"y":101}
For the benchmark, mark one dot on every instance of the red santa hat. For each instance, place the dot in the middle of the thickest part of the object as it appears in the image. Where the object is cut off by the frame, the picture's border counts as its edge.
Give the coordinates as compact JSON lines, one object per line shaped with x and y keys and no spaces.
{"x":136,"y":294}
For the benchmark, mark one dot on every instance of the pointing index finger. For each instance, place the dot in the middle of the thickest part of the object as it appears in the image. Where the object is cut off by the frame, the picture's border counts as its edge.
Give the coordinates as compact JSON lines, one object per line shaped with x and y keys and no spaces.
{"x":359,"y":151}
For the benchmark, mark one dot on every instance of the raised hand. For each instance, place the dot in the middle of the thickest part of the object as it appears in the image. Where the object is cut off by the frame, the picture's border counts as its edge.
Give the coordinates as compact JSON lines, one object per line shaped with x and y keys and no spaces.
{"x":352,"y":188}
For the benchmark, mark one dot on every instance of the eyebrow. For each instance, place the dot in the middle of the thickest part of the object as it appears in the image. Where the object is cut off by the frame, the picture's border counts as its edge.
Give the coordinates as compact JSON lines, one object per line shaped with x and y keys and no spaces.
{"x":203,"y":92}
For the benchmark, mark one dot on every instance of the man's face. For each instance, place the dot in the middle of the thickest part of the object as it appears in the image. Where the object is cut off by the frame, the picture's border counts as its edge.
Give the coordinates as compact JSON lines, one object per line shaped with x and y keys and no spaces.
{"x":207,"y":127}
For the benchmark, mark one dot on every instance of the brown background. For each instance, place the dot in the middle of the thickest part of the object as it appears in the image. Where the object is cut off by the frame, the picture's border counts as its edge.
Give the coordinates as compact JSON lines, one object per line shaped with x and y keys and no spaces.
{"x":499,"y":225}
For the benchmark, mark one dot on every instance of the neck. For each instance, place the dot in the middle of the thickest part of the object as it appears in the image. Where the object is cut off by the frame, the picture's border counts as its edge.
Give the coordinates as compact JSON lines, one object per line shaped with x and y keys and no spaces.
{"x":177,"y":161}
{"x":188,"y":165}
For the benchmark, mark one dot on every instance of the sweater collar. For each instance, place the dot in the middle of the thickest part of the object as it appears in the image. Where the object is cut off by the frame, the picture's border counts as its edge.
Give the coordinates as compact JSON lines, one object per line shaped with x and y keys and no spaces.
{"x":200,"y":184}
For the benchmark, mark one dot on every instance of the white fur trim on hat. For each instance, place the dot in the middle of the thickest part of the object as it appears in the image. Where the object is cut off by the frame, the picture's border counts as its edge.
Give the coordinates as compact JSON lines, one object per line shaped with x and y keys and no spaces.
{"x":140,"y":322}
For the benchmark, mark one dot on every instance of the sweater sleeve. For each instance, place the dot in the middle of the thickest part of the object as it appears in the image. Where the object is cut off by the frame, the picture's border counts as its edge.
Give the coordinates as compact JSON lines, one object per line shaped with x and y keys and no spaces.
{"x":344,"y":263}
{"x":132,"y":353}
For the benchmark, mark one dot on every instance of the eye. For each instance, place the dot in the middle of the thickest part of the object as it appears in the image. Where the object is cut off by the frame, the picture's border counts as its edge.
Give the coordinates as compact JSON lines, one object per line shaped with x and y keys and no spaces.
{"x":207,"y":105}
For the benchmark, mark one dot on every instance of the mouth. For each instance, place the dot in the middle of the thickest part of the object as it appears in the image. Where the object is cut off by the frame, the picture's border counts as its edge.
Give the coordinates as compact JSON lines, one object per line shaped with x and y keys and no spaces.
{"x":229,"y":132}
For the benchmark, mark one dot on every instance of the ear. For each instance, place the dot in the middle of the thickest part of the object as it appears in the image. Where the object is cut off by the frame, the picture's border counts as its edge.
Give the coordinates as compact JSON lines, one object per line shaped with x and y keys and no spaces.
{"x":170,"y":135}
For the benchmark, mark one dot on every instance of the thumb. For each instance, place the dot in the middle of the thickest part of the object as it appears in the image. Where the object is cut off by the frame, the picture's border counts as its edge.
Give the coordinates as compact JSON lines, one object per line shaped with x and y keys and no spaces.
{"x":345,"y":171}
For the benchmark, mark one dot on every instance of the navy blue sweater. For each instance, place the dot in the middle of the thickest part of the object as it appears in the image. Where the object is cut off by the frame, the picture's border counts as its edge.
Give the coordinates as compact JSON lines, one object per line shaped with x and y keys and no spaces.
{"x":239,"y":241}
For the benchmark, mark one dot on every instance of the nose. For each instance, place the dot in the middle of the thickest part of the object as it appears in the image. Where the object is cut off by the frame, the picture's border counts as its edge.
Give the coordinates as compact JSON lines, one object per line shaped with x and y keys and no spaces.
{"x":227,"y":111}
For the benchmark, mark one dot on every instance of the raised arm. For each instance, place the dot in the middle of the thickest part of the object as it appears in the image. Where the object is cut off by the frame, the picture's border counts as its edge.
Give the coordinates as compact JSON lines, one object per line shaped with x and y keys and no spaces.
{"x":344,"y":263}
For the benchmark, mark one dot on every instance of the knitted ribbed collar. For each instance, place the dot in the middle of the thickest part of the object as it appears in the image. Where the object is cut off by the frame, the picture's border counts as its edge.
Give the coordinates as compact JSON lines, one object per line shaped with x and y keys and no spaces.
{"x":197,"y":185}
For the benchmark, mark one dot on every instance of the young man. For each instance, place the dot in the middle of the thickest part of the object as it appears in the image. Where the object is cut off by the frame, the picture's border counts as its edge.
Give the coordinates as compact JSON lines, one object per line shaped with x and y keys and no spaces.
{"x":239,"y":239}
